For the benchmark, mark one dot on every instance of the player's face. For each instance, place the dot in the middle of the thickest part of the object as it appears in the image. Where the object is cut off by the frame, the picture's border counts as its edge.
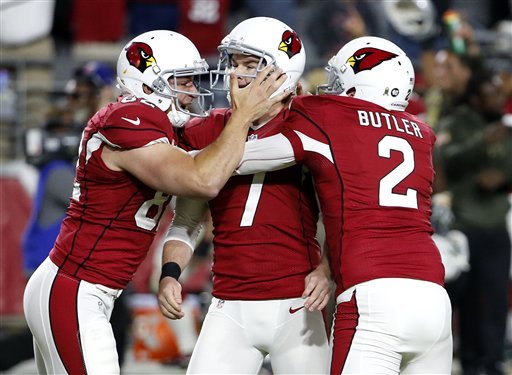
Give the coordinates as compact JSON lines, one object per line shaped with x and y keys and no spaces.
{"x":244,"y":65}
{"x":188,"y":85}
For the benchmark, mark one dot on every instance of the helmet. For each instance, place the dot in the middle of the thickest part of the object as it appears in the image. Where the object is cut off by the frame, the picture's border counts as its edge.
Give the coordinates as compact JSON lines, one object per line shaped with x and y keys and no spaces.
{"x":454,"y":249}
{"x":151,"y":59}
{"x":415,"y":19}
{"x":272,"y":41}
{"x":377,"y":69}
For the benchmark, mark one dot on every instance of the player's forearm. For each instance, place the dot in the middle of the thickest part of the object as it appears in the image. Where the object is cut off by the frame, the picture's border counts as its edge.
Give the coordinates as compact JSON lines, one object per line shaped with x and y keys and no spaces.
{"x":325,"y":265}
{"x":216,"y":163}
{"x":178,"y":252}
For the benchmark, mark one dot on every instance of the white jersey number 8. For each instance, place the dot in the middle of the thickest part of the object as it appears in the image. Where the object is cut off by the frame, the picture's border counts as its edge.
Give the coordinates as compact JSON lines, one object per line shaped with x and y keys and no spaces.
{"x":141,"y":217}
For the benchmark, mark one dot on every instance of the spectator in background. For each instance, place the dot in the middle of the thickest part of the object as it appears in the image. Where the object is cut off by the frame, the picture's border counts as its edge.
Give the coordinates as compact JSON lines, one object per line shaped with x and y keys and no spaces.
{"x":284,"y":10}
{"x":482,"y":13}
{"x":204,"y":22}
{"x":333,"y":24}
{"x":56,"y":173}
{"x":506,"y":77}
{"x":109,"y":20}
{"x":451,"y":74}
{"x":145,"y":15}
{"x":475,"y":150}
{"x":91,"y":87}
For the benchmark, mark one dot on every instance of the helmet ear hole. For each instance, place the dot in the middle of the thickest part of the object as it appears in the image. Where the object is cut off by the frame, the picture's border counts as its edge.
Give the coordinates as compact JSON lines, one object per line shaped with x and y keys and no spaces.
{"x":147,"y":90}
{"x":351,"y":91}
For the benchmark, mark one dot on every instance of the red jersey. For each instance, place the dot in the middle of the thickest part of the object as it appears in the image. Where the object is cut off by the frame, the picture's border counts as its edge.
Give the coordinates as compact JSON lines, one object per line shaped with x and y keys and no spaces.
{"x":264,"y":224}
{"x":373,"y":174}
{"x":112,"y":218}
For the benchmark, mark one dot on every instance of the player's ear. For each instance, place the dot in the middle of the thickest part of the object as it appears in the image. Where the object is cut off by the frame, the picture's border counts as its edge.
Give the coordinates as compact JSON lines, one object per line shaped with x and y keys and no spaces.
{"x":299,"y":89}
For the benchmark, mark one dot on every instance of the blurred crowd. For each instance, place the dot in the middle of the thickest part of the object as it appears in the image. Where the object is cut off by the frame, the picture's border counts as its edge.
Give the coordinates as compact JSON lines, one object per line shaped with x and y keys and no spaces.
{"x":462,"y":53}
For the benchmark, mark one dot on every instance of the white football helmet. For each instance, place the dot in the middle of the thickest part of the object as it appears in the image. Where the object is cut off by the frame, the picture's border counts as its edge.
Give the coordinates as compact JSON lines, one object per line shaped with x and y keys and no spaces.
{"x":415,"y":19}
{"x":272,"y":41}
{"x":375,"y":68}
{"x":154,"y":57}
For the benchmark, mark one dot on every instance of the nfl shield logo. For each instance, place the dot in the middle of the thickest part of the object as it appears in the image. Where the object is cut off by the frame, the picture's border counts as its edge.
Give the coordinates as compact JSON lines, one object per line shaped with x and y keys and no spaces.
{"x":252,"y":137}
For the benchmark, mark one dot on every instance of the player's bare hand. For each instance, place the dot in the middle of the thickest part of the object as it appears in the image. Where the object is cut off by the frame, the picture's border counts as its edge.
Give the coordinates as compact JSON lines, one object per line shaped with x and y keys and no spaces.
{"x":253,"y":100}
{"x":300,"y":90}
{"x":169,"y":298}
{"x":317,"y":289}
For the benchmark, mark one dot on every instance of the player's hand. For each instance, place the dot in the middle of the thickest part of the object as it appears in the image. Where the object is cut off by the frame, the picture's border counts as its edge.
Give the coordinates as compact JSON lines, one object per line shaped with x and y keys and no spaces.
{"x":299,"y":91}
{"x":317,"y":289}
{"x":169,"y":298}
{"x":253,"y":100}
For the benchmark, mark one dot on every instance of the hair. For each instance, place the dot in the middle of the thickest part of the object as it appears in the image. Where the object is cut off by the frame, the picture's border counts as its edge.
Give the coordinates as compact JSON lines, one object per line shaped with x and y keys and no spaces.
{"x":474,"y":86}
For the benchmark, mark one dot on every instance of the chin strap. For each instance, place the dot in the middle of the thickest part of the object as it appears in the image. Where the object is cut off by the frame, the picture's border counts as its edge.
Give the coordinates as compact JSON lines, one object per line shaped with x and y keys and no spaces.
{"x":178,"y":119}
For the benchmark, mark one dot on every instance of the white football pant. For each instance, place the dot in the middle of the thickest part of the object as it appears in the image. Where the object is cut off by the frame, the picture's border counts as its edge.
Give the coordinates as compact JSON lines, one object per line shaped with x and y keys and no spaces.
{"x":237,"y":335}
{"x":69,"y":319}
{"x":392,"y":326}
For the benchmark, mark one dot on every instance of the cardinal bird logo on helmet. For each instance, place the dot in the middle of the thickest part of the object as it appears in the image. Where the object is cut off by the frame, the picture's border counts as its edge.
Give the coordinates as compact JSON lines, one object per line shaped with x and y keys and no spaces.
{"x":140,"y":55}
{"x":368,"y":58}
{"x":290,"y":43}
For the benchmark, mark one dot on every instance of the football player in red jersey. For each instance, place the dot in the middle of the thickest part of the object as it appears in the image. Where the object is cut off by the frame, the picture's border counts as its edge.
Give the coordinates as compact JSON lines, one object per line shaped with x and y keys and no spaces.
{"x":128,"y":168}
{"x":267,"y":266}
{"x":372,"y":166}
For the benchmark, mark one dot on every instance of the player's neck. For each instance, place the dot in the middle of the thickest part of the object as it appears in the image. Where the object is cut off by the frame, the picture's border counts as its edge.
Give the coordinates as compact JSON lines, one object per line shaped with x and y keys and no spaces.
{"x":262,"y":121}
{"x":267,"y":117}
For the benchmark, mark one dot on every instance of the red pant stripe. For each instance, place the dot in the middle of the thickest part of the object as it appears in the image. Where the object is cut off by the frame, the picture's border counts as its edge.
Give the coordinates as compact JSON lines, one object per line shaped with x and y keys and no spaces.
{"x":345,"y":323}
{"x":64,"y":323}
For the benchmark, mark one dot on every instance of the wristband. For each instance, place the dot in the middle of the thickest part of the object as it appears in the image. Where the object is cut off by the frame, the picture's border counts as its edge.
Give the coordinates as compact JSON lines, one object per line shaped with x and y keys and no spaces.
{"x":171,"y":269}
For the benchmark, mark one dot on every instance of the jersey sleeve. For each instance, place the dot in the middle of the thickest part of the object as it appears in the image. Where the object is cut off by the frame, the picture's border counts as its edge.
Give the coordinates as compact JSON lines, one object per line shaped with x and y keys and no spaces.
{"x":295,"y":142}
{"x":267,"y":154}
{"x":305,"y":135}
{"x":136,"y":124}
{"x":187,"y":225}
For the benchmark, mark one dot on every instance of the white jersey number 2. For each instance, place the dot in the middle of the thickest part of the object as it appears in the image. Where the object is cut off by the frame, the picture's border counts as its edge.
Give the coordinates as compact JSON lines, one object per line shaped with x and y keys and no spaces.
{"x":387,"y":183}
